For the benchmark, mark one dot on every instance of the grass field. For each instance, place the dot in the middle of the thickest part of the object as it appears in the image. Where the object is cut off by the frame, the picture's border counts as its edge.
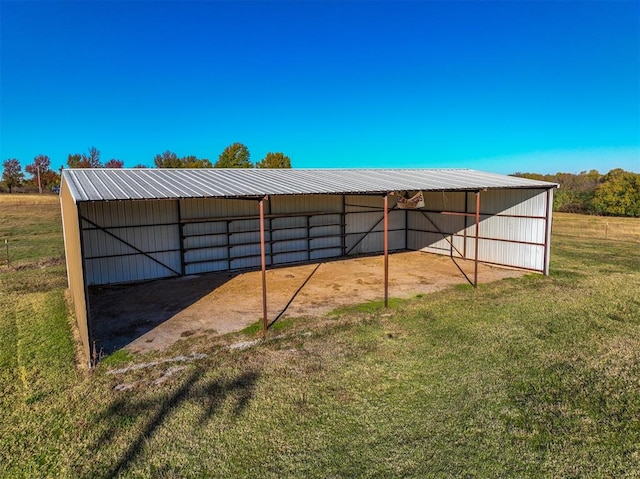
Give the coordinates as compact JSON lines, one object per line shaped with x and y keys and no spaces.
{"x":529,"y":377}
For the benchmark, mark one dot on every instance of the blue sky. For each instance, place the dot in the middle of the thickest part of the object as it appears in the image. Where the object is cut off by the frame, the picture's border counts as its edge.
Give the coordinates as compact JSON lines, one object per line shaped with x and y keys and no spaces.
{"x":498,"y":86}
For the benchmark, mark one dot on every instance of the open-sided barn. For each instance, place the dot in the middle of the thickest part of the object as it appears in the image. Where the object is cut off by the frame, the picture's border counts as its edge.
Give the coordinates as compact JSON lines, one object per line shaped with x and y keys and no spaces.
{"x":131,"y":225}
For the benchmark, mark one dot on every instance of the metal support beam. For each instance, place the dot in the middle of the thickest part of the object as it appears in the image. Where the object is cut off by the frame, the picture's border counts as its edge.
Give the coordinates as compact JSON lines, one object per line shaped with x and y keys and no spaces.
{"x":183,"y":269}
{"x":386,"y":251}
{"x":264,"y":269}
{"x":547,"y":231}
{"x":475,"y":258}
{"x":466,"y":210}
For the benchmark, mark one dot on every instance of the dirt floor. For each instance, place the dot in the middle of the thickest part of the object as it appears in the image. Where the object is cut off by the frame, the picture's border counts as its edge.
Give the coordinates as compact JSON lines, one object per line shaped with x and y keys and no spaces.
{"x":154,"y":315}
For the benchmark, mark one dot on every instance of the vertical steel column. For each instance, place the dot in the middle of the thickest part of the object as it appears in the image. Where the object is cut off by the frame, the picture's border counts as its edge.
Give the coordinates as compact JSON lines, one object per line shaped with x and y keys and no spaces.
{"x":475,"y":260}
{"x":386,"y":251}
{"x":547,"y":229}
{"x":343,"y":227}
{"x":183,"y":268}
{"x":264,"y":268}
{"x":466,"y":210}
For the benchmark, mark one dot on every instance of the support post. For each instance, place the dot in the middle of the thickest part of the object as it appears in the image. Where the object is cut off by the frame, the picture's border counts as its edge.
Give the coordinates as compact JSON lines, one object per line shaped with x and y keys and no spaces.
{"x":264,"y":269}
{"x":386,"y":251}
{"x":475,"y":258}
{"x":547,"y":233}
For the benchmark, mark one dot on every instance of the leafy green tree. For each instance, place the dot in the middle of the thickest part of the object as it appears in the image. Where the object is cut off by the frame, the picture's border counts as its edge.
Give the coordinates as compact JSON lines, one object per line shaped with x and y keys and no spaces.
{"x":140,"y":165}
{"x":274,"y":160}
{"x":12,"y":174}
{"x":90,"y":160}
{"x":234,"y":156}
{"x":193,"y":162}
{"x":576,"y":192}
{"x":168,"y":159}
{"x":113,"y":163}
{"x":618,"y":194}
{"x":74,"y":160}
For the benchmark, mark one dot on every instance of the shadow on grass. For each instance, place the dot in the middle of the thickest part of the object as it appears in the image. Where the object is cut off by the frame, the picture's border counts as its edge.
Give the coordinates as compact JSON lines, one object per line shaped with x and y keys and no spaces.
{"x":209,"y":394}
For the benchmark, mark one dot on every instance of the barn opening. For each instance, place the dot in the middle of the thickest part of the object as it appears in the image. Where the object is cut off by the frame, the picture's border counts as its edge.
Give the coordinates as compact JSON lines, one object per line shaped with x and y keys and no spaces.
{"x":126,"y":226}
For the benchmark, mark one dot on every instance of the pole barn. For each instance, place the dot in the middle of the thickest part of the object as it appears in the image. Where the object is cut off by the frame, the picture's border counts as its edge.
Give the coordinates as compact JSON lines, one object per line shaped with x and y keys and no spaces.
{"x":132,"y":225}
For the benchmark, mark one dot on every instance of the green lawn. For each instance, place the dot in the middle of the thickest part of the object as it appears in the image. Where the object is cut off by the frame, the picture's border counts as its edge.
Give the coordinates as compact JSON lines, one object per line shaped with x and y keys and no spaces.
{"x":530,"y":377}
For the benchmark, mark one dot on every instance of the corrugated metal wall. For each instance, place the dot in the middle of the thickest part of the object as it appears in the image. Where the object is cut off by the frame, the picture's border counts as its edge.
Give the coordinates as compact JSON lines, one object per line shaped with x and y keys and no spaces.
{"x":127,"y":241}
{"x":512,"y":230}
{"x":223,"y":235}
{"x":365,"y":226}
{"x":75,"y":271}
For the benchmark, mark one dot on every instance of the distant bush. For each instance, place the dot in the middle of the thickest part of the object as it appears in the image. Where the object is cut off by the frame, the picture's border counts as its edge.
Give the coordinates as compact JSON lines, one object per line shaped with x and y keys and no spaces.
{"x":615,"y":194}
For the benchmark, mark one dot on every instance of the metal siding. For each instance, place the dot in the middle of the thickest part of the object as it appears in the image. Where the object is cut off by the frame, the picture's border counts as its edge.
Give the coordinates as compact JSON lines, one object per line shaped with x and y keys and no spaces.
{"x":508,"y":254}
{"x":526,"y":202}
{"x":549,"y":210}
{"x":126,"y":184}
{"x":305,"y":204}
{"x":362,"y":213}
{"x":530,"y":230}
{"x":207,"y":267}
{"x":444,"y":201}
{"x":75,"y":273}
{"x":523,"y":221}
{"x":141,"y":224}
{"x":225,"y":239}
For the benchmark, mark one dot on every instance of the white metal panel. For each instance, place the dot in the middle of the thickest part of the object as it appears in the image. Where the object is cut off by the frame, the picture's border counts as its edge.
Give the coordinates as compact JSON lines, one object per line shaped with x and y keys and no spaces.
{"x":305,"y":204}
{"x":374,"y":242}
{"x":525,"y":202}
{"x":249,"y":262}
{"x":509,"y":219}
{"x":124,"y":269}
{"x":217,"y":208}
{"x":444,"y":200}
{"x":208,"y":267}
{"x":116,"y":232}
{"x":436,"y":243}
{"x":508,"y":254}
{"x":326,"y":253}
{"x":365,"y":213}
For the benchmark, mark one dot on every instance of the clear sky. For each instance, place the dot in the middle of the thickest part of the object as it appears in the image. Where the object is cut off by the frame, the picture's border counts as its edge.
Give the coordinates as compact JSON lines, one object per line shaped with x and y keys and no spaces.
{"x":497,"y":86}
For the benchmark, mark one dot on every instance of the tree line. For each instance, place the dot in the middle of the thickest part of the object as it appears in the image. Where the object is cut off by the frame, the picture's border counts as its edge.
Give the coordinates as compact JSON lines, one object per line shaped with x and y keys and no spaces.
{"x":43,"y":178}
{"x":616,"y":193}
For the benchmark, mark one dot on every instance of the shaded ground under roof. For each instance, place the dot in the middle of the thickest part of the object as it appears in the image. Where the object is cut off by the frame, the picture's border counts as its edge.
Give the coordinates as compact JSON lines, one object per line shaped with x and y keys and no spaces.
{"x":154,"y":315}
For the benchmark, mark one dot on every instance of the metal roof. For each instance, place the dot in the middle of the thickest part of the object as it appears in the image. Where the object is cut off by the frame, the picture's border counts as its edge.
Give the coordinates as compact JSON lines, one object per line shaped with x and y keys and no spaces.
{"x":105,"y":184}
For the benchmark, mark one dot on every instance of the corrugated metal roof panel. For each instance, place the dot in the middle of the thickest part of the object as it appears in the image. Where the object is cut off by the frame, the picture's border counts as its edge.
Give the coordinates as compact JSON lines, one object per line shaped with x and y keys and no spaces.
{"x":126,"y":184}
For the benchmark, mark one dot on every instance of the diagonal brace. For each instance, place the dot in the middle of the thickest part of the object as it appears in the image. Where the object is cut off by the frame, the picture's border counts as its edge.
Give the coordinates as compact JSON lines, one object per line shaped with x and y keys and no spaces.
{"x":104,"y":230}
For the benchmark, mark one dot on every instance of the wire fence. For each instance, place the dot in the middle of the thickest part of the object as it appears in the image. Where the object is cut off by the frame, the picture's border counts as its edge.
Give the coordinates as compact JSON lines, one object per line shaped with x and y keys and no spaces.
{"x":597,"y":227}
